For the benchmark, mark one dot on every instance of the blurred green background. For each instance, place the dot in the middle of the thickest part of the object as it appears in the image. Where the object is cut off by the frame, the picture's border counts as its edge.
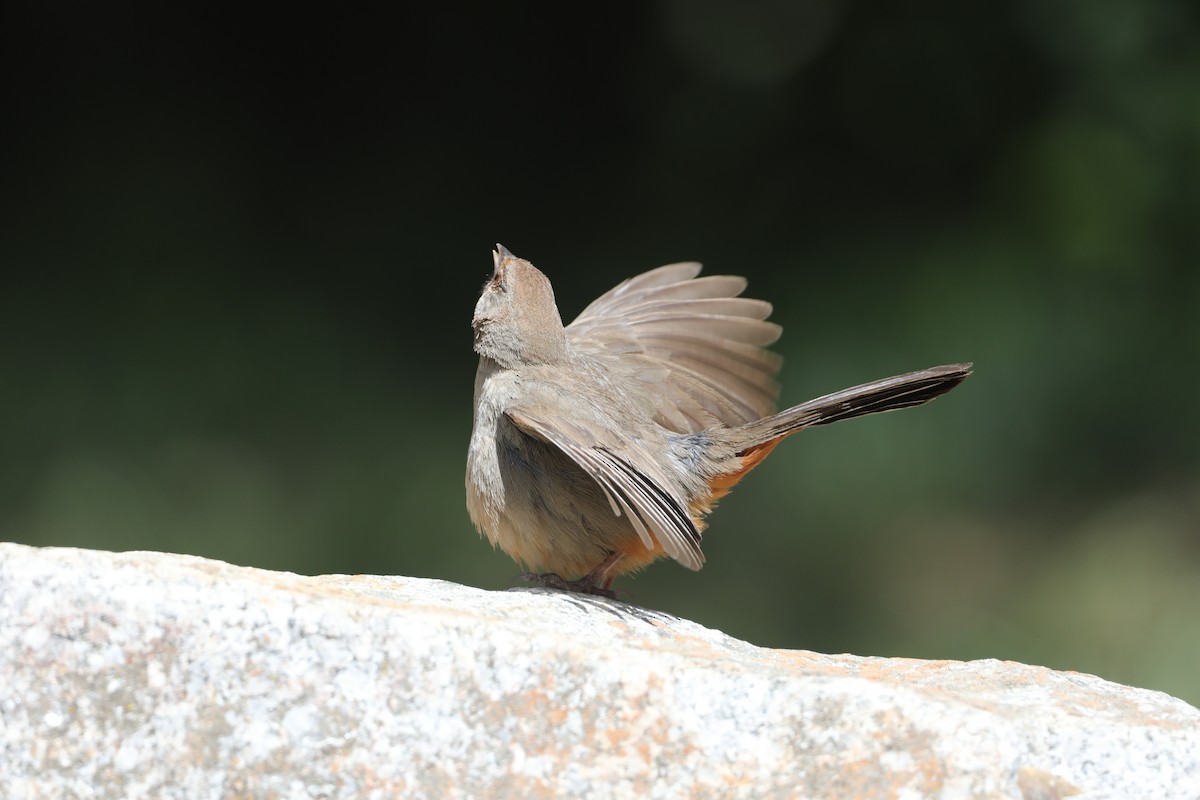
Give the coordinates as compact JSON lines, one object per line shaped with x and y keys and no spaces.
{"x":240,"y":257}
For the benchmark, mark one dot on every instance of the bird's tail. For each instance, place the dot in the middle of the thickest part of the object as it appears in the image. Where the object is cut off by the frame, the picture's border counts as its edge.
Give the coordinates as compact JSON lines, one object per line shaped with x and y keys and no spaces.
{"x":888,"y":394}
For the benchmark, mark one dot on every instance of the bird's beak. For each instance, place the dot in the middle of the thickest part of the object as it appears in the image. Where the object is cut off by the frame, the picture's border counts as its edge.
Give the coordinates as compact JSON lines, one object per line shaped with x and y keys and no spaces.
{"x":499,"y":256}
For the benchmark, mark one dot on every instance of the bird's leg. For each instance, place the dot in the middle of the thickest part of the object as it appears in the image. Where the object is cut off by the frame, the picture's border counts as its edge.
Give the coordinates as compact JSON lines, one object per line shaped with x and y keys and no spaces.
{"x":596,"y":582}
{"x":602,"y":576}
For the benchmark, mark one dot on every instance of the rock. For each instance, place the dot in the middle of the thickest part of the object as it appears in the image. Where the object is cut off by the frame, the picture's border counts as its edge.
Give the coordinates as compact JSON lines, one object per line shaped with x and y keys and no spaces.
{"x":153,"y":675}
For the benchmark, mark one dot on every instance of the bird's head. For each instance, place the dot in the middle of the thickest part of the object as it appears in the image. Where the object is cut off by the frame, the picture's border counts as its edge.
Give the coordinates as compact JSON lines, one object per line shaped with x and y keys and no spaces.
{"x":516,"y":321}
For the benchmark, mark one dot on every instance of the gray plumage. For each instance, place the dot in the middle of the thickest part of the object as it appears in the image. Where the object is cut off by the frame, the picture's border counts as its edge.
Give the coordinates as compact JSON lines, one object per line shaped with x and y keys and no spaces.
{"x":599,"y":446}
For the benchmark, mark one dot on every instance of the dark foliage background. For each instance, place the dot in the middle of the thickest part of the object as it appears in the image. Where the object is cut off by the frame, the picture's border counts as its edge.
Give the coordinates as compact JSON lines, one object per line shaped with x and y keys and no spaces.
{"x":240,"y":256}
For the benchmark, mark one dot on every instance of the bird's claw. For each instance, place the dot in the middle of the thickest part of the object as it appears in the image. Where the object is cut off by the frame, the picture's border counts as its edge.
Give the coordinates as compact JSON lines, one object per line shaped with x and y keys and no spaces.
{"x":583,"y":585}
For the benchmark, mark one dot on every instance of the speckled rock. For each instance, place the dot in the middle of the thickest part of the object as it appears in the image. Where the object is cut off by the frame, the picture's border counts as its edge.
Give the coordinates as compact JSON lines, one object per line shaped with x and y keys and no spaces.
{"x":161,"y":676}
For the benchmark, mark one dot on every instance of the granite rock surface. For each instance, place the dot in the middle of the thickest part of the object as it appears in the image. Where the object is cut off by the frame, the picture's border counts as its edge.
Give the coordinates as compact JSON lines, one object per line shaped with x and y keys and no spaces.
{"x":129,"y":675}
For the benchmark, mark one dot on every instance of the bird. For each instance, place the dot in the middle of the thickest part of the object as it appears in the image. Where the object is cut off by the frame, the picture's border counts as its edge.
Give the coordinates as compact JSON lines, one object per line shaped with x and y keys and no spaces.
{"x":601,"y":446}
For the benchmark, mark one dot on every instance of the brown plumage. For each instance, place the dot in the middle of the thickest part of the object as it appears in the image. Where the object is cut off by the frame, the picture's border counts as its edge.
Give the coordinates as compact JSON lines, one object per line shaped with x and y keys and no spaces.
{"x":600,"y":446}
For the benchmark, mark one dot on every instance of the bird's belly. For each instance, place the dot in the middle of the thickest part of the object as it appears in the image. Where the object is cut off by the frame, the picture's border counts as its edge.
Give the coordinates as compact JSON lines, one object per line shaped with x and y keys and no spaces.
{"x":539,"y":507}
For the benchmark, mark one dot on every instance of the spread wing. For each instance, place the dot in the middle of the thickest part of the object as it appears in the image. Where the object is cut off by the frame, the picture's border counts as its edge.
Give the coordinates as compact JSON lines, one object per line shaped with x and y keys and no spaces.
{"x":653,"y":510}
{"x":698,"y":346}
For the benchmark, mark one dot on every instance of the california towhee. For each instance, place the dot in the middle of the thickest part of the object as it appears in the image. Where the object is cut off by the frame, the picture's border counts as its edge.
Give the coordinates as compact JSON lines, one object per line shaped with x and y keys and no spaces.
{"x":599,"y":447}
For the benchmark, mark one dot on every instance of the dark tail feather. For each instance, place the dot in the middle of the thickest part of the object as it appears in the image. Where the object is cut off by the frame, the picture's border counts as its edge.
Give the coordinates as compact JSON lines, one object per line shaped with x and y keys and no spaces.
{"x":888,"y":394}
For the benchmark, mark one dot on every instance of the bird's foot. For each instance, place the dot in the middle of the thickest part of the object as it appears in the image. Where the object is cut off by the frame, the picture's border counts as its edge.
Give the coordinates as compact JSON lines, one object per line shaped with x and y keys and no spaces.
{"x":584,"y":585}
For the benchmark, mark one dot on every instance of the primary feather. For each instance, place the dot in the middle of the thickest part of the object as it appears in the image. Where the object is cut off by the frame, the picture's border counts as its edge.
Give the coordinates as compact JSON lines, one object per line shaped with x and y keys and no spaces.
{"x":696,"y":344}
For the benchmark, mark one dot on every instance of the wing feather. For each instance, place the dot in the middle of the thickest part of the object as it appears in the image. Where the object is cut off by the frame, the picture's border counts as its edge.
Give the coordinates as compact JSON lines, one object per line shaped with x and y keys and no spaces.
{"x":630,"y":290}
{"x":697,"y":345}
{"x":655,"y":513}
